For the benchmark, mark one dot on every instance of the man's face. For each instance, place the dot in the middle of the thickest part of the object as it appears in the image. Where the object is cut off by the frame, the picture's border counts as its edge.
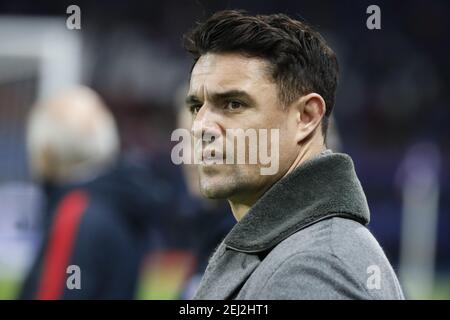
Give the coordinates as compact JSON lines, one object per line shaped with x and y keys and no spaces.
{"x":231,"y":91}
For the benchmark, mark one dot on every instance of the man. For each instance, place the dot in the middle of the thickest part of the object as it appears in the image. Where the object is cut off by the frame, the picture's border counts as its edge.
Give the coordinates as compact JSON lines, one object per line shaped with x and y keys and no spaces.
{"x":96,"y":215}
{"x":301,"y":231}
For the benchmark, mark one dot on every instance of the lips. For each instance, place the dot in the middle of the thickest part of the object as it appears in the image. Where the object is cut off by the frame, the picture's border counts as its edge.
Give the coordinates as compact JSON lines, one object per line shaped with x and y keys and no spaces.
{"x":207,"y":155}
{"x":211,"y":156}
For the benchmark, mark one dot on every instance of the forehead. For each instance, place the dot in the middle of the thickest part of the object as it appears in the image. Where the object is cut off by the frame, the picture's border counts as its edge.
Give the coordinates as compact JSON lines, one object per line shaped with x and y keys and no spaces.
{"x":220,"y":72}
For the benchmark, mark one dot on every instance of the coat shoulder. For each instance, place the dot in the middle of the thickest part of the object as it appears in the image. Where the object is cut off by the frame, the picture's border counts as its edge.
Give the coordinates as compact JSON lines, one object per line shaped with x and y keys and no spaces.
{"x":331,"y":259}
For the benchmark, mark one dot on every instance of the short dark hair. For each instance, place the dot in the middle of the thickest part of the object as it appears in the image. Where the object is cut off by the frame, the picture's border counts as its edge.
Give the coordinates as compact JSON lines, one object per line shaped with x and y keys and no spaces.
{"x":301,"y":61}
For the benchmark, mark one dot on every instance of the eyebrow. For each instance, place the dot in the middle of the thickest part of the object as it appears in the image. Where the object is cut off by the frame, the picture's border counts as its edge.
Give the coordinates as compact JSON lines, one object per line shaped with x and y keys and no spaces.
{"x":192,"y":99}
{"x":220,"y":96}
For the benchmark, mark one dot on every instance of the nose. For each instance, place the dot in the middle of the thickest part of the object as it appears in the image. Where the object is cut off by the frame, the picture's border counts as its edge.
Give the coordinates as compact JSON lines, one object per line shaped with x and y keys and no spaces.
{"x":206,"y":125}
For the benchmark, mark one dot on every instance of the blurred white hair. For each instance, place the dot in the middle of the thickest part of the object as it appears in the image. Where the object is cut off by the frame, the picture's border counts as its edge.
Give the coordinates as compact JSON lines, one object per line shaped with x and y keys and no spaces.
{"x":71,"y":137}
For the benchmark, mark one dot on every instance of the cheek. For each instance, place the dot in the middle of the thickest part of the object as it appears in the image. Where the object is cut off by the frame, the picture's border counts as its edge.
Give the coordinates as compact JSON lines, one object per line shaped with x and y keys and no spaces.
{"x":288,"y":143}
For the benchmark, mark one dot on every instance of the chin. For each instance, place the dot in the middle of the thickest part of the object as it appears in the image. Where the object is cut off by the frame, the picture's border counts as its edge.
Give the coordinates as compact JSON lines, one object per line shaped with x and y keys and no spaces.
{"x":215,"y":189}
{"x":217,"y":185}
{"x":223,"y":182}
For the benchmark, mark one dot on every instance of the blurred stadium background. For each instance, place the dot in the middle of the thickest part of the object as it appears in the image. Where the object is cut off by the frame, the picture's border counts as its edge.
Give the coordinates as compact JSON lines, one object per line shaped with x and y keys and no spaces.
{"x":391,"y":116}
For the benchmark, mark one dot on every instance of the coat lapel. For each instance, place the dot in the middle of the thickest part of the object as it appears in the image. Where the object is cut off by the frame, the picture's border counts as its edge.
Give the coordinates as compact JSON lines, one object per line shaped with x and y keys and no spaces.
{"x":227,"y":272}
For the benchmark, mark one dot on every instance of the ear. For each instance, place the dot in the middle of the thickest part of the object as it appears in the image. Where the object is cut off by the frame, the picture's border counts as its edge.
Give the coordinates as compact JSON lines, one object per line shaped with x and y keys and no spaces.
{"x":310,"y":110}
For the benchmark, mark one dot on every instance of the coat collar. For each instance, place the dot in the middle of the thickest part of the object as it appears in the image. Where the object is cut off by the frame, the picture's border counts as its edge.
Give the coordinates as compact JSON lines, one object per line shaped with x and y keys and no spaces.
{"x":323,"y":187}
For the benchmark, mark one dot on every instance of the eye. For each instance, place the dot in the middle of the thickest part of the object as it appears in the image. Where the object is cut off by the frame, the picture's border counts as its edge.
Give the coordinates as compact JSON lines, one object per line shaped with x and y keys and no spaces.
{"x":233,"y":105}
{"x":195,"y":108}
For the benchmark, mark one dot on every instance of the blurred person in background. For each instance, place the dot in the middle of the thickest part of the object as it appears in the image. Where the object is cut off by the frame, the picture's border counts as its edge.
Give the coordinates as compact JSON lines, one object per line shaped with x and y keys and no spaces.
{"x":96,"y":215}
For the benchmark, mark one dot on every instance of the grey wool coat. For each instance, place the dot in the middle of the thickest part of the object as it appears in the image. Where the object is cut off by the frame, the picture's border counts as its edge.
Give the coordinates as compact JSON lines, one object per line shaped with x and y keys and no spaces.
{"x":305,"y":238}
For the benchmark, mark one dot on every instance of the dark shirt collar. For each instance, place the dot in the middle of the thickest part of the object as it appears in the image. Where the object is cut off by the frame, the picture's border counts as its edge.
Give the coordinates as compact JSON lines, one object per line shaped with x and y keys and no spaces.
{"x":323,"y":187}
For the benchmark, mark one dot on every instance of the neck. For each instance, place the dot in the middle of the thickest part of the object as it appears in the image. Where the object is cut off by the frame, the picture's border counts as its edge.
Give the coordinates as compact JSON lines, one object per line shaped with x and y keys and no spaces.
{"x":240,"y":208}
{"x":307,"y":151}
